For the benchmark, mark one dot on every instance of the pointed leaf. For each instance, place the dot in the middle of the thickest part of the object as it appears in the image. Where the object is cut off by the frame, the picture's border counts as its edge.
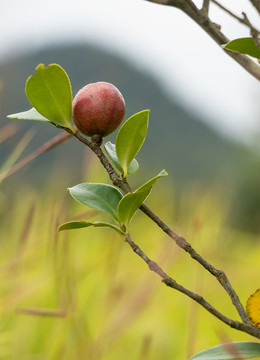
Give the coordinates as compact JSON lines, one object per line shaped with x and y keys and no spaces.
{"x":98,"y":196}
{"x":130,"y":138}
{"x":72,"y":225}
{"x":132,"y":201}
{"x":241,"y":350}
{"x":245,"y":46}
{"x":31,"y":114}
{"x":111,"y":152}
{"x":49,"y":91}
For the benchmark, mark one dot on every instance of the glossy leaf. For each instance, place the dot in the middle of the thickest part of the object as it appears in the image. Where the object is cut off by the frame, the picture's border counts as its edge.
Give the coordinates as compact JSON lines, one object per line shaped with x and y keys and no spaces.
{"x":49,"y":91}
{"x":130,"y":138}
{"x":31,"y":114}
{"x":72,"y":225}
{"x":111,"y":152}
{"x":243,"y":350}
{"x":244,"y":46}
{"x":98,"y":196}
{"x":132,"y":201}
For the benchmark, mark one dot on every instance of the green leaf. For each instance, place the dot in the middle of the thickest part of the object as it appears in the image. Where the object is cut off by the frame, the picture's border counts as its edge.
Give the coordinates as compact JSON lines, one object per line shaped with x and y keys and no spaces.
{"x":31,"y":114}
{"x":111,"y":152}
{"x":245,"y":46}
{"x":130,"y":138}
{"x":129,"y":204}
{"x":49,"y":91}
{"x":72,"y":225}
{"x":98,"y":196}
{"x":243,"y":350}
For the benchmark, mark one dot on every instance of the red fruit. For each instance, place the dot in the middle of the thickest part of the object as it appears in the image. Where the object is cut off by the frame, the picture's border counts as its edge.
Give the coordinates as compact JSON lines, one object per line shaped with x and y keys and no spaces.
{"x":98,"y":108}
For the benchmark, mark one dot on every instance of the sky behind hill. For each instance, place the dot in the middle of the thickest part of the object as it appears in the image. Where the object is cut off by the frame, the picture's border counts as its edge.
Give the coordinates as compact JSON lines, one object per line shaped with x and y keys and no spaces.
{"x":160,"y":39}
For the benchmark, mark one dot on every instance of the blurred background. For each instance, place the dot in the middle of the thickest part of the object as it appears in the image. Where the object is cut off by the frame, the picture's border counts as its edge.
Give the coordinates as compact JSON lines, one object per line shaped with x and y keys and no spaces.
{"x":204,"y":130}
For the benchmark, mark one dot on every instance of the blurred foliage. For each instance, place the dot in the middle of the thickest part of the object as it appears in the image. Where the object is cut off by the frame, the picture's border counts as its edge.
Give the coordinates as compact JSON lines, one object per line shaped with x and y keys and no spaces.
{"x":91,"y":297}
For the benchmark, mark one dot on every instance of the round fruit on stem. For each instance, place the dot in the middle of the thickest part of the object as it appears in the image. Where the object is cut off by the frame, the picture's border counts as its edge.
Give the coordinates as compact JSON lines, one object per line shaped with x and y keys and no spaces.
{"x":98,"y":108}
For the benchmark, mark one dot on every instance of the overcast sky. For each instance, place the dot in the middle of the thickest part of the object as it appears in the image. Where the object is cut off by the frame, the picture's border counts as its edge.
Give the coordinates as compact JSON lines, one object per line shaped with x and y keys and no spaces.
{"x":160,"y":39}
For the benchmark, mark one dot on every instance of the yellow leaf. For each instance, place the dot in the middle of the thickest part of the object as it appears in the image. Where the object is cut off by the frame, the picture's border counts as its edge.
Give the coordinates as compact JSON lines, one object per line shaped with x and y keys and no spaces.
{"x":253,"y":308}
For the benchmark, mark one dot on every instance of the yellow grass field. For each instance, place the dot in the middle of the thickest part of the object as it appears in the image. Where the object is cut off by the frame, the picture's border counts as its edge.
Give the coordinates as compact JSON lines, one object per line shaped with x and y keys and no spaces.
{"x":84,"y":294}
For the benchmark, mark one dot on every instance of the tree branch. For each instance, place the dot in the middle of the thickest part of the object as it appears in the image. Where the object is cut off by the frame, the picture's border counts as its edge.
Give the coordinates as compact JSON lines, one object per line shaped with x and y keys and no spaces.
{"x":167,"y":280}
{"x":218,"y":274}
{"x":125,"y":187}
{"x":253,"y":31}
{"x":244,"y":20}
{"x":180,"y":241}
{"x":188,"y":7}
{"x":205,"y":7}
{"x":256,"y":4}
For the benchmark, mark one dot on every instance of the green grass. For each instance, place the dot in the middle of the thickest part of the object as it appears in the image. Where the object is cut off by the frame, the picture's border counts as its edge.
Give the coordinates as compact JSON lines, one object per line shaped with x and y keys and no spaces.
{"x":115,"y":308}
{"x":90,"y":297}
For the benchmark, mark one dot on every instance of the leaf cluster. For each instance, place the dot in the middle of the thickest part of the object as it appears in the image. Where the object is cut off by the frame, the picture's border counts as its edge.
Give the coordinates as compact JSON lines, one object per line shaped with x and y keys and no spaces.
{"x":49,"y":92}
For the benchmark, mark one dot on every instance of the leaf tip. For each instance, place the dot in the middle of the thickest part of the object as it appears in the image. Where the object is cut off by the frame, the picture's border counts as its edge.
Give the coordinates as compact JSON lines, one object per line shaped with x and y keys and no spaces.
{"x":163,"y":173}
{"x":40,"y":66}
{"x":60,"y":228}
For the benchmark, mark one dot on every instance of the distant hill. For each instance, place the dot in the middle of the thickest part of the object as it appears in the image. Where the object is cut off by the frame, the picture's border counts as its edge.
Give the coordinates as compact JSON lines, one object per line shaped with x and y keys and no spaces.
{"x":177,"y":140}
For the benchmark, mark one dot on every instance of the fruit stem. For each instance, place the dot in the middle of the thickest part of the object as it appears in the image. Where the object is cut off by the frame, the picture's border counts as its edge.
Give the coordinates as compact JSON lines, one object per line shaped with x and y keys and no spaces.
{"x":97,"y":139}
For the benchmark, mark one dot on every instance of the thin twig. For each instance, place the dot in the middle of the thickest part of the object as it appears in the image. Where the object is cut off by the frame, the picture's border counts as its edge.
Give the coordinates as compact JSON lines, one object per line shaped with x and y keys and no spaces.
{"x":180,"y":241}
{"x":227,"y":11}
{"x":256,"y":4}
{"x":189,"y":8}
{"x":254,"y":32}
{"x":205,"y":7}
{"x":113,"y":175}
{"x":243,"y":20}
{"x":167,"y":280}
{"x":219,"y":274}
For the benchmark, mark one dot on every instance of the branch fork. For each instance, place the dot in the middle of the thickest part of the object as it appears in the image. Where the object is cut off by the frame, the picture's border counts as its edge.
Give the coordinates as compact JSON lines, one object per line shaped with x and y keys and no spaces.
{"x":180,"y":241}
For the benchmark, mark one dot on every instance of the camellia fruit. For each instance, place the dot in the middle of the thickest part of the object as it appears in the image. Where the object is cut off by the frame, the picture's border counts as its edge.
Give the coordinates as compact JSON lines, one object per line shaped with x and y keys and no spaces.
{"x":98,"y":109}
